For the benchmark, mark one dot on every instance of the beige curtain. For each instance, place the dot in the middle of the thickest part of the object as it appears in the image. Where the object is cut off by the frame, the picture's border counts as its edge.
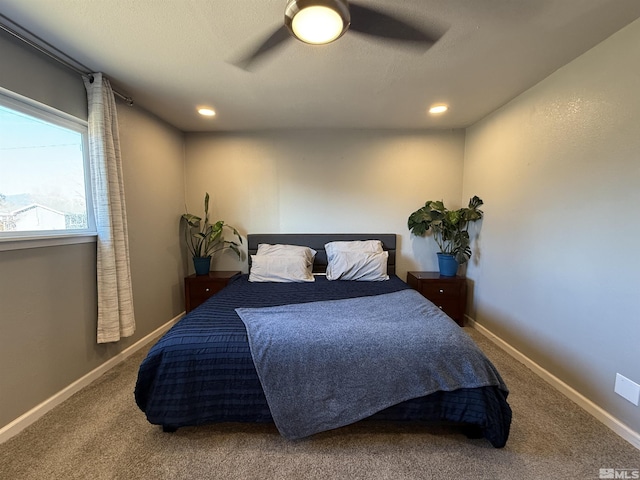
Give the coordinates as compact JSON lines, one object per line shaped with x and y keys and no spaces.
{"x":115,"y":298}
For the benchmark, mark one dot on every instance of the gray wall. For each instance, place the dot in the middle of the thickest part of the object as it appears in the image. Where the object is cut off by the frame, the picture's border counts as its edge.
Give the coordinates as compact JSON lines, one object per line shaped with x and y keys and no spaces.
{"x":47,"y":295}
{"x":327,"y":181}
{"x":555,"y":269}
{"x":40,"y":78}
{"x":559,"y":170}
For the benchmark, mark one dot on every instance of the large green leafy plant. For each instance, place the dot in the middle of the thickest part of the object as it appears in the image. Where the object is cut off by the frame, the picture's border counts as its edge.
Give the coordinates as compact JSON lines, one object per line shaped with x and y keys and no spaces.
{"x":450,"y":228}
{"x":205,"y":239}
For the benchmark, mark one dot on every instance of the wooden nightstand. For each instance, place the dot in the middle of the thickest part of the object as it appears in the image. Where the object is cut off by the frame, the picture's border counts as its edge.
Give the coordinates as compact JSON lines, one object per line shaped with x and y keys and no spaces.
{"x":198,"y":288}
{"x":448,"y":293}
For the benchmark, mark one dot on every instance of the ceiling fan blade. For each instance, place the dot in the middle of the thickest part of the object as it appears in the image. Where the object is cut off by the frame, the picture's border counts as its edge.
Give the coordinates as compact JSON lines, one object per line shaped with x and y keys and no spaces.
{"x":274,"y":40}
{"x":373,"y":22}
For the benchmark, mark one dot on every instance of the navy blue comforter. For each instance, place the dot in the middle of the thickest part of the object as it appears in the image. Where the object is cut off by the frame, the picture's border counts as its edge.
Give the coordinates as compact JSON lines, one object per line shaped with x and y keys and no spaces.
{"x":201,"y":371}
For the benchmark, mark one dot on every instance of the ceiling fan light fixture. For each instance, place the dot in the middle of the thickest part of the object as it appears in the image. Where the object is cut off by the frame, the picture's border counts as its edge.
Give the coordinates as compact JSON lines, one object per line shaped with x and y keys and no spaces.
{"x":317,"y":21}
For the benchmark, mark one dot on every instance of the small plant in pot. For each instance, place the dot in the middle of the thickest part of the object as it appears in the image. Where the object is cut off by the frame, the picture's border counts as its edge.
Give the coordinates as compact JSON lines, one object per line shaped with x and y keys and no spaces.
{"x":450,"y":230}
{"x":204,"y":239}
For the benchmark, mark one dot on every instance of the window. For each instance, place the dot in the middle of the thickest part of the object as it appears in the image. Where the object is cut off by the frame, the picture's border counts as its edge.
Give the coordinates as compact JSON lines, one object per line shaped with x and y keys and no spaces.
{"x":44,"y":171}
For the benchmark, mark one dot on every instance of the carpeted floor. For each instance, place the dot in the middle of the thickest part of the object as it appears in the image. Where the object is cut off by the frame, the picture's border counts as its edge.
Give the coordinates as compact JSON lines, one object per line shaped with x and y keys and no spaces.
{"x":99,"y":433}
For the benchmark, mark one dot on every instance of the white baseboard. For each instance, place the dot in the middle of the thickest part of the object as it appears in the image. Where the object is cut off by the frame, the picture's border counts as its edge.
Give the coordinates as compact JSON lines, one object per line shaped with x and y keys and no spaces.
{"x":38,"y":411}
{"x":600,"y":414}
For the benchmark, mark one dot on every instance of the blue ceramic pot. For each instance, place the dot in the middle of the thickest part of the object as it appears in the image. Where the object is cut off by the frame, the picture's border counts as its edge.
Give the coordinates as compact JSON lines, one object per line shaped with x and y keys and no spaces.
{"x":448,"y":265}
{"x":202,"y":265}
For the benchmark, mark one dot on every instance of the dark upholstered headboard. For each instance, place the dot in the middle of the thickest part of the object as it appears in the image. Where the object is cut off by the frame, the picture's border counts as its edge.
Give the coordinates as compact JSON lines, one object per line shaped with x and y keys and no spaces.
{"x":317,"y":242}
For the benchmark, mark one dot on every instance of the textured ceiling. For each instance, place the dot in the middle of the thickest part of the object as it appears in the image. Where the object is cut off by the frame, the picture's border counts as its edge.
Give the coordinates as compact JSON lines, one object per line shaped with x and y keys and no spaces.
{"x":174,"y":55}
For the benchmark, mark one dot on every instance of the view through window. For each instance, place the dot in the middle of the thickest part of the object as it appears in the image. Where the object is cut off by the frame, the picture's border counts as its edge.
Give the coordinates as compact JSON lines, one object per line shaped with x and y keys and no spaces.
{"x":42,"y":172}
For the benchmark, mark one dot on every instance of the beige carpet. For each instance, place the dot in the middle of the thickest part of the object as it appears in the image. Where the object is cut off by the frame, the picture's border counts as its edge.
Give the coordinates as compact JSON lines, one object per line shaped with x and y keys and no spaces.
{"x":99,"y":433}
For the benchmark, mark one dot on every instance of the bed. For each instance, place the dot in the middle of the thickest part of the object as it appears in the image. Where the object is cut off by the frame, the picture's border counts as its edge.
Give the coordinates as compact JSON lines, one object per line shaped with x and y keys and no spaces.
{"x":316,"y":355}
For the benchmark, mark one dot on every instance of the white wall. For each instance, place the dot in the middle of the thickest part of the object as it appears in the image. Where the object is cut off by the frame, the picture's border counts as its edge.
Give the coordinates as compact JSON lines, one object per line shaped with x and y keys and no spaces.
{"x":326,"y":181}
{"x":559,"y":170}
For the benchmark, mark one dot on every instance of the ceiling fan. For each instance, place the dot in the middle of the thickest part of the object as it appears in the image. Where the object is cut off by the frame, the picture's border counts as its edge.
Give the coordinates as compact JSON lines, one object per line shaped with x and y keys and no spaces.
{"x":319,"y":22}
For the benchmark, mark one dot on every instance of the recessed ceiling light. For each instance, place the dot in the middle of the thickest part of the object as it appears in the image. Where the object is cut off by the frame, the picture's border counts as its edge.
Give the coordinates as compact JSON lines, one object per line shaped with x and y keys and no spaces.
{"x":438,"y":109}
{"x":207,"y":112}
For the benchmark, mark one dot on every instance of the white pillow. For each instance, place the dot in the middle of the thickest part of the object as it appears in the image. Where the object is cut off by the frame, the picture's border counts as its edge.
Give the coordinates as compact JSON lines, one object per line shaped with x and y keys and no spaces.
{"x":363,"y":246}
{"x":286,"y":250}
{"x":362,"y":266}
{"x":280,"y":268}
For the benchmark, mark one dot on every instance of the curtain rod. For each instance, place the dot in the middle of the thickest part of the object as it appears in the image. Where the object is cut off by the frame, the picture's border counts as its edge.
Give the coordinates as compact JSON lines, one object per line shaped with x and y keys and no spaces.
{"x":49,"y":53}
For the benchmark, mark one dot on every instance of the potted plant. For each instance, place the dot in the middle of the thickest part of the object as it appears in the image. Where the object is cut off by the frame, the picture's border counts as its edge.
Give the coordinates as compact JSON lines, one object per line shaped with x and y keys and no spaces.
{"x":450,"y":230}
{"x":204,"y":239}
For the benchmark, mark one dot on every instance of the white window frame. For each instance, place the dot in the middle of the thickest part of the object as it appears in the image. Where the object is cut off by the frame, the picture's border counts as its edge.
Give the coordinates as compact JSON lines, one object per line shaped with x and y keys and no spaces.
{"x":46,"y":238}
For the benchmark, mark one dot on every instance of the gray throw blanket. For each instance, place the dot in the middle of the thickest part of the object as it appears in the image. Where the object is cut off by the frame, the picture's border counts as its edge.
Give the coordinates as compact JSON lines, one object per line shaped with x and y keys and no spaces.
{"x":327,"y":364}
